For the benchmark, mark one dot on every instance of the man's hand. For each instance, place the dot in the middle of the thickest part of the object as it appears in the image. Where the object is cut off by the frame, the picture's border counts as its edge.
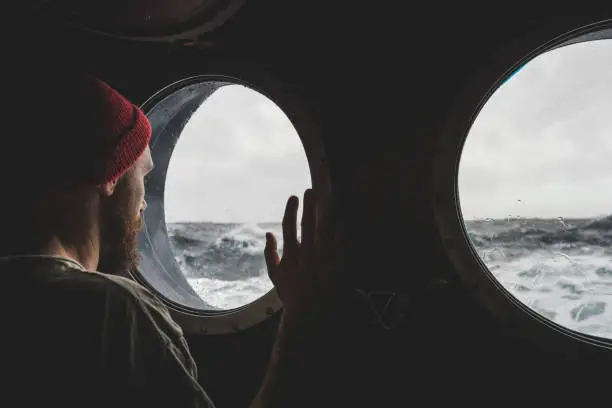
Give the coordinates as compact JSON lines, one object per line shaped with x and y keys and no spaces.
{"x":305,"y":274}
{"x":305,"y":279}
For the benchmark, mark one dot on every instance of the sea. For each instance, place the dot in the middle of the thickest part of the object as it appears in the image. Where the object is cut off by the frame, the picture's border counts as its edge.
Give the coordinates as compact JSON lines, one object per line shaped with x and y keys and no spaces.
{"x":224,"y":262}
{"x":560,"y":268}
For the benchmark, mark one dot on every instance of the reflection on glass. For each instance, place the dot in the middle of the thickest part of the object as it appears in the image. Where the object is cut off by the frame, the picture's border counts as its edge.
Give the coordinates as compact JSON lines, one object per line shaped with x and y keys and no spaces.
{"x":233,"y":168}
{"x":535,"y":186}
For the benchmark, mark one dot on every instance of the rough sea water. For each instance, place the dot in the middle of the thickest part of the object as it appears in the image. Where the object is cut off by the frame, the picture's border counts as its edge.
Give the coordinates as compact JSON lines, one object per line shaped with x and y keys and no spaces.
{"x":224,"y":263}
{"x":561,"y":268}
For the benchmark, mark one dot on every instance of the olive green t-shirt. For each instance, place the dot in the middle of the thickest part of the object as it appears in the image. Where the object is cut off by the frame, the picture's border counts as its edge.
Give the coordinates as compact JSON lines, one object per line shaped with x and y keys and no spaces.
{"x":77,"y":338}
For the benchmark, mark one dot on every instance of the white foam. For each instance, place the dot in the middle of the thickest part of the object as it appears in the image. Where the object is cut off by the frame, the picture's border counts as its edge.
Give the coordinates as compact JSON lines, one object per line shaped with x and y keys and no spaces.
{"x":564,"y":288}
{"x":231,"y":294}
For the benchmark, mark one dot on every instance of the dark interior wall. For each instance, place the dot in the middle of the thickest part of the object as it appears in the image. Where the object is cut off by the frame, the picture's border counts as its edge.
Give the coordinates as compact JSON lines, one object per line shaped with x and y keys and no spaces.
{"x":380,"y":82}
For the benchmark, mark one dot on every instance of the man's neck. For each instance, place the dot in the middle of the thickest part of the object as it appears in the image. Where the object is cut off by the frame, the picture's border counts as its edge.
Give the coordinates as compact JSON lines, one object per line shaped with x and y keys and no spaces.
{"x":87,"y":254}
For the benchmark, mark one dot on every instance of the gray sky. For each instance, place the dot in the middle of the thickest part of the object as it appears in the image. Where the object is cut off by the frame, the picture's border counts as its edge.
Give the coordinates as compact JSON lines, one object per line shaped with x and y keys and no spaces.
{"x":238,"y":160}
{"x":544,"y":138}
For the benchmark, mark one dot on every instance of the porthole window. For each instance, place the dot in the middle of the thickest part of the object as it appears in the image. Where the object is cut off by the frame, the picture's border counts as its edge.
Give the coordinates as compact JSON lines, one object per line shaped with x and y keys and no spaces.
{"x":535,"y":186}
{"x":523,"y":188}
{"x":227,"y":158}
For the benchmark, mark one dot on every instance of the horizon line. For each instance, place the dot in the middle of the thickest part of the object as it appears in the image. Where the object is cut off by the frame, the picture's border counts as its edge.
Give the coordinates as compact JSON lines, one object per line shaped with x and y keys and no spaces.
{"x":538,"y":217}
{"x":464,"y":219}
{"x":224,"y":222}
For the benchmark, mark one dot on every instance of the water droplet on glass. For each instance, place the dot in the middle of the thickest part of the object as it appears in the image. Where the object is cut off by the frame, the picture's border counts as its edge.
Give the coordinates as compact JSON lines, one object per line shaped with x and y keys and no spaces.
{"x":519,"y":201}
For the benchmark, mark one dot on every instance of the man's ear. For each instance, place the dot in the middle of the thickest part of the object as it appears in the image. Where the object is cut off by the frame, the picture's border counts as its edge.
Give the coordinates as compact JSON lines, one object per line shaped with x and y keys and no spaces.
{"x":107,"y":189}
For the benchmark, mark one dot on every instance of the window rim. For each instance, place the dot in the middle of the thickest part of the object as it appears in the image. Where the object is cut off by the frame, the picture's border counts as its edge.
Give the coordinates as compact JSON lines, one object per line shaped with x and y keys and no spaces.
{"x":516,"y":318}
{"x":209,"y":322}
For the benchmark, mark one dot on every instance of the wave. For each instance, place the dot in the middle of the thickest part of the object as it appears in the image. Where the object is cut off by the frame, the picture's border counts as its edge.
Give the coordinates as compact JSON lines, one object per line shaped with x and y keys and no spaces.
{"x":227,"y":252}
{"x":531,"y":234}
{"x":561,"y":268}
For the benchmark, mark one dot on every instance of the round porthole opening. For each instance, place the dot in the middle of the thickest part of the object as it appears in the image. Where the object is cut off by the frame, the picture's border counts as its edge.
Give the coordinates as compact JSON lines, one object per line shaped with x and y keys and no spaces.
{"x":535,"y":186}
{"x":520,"y":188}
{"x":226,"y":159}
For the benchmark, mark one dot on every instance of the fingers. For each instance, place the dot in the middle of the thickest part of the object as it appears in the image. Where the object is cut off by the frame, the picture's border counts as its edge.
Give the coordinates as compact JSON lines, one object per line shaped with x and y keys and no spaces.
{"x":271,"y":255}
{"x":308,"y":221}
{"x":290,"y":243}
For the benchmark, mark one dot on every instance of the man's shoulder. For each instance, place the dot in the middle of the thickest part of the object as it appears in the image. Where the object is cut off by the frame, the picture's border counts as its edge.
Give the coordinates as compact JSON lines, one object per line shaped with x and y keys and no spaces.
{"x":144,"y":298}
{"x":127,"y":330}
{"x":116,"y":287}
{"x":126,"y":288}
{"x":144,"y":309}
{"x":63,"y":276}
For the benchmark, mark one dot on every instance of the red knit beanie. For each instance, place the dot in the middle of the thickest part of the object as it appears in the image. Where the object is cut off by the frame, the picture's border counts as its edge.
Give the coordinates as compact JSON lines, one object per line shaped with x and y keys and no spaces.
{"x":74,"y":130}
{"x":123,"y":123}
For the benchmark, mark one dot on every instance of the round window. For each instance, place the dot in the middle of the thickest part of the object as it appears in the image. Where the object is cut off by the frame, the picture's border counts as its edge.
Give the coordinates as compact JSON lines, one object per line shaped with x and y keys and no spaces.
{"x":226,"y":159}
{"x":535,"y":186}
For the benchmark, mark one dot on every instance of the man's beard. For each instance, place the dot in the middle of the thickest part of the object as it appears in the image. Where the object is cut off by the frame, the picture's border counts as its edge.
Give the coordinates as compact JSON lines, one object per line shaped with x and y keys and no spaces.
{"x":119,"y":237}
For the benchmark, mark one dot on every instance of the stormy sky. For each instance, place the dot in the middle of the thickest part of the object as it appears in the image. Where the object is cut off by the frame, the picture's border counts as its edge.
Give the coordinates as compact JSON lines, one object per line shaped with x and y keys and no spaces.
{"x":542,"y":145}
{"x":238,"y":160}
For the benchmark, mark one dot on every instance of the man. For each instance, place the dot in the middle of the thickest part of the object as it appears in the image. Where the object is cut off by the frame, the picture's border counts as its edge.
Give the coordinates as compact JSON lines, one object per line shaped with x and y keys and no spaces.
{"x":74,"y":207}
